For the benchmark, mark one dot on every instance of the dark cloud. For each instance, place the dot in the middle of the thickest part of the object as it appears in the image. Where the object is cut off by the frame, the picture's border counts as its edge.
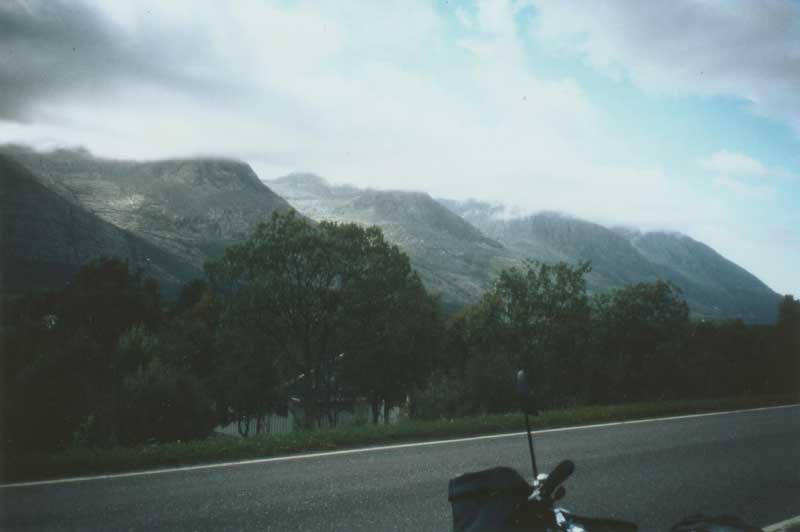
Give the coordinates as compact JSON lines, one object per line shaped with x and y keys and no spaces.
{"x":52,"y":49}
{"x":740,"y":48}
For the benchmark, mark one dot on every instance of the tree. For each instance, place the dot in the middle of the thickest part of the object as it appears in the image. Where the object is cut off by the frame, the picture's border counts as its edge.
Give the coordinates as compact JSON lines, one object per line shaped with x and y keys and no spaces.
{"x":723,"y":359}
{"x":787,"y":335}
{"x":534,"y":318}
{"x":392,"y":330}
{"x":638,"y":333}
{"x":53,"y":390}
{"x":310,"y":292}
{"x":281,"y":281}
{"x":192,"y":293}
{"x":106,"y":298}
{"x":479,"y":359}
{"x":61,"y":346}
{"x":545,"y":312}
{"x":247,"y":372}
{"x":163,"y":403}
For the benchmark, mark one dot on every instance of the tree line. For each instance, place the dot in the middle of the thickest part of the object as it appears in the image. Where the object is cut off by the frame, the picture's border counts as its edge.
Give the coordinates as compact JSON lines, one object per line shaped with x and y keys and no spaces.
{"x":321,"y":314}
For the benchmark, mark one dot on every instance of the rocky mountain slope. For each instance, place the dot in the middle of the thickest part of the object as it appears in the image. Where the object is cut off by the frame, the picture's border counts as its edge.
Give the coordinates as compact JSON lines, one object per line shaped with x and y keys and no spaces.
{"x":713,"y":286}
{"x":190,"y":209}
{"x":717,"y":285}
{"x":45,"y":238}
{"x":452,"y":256}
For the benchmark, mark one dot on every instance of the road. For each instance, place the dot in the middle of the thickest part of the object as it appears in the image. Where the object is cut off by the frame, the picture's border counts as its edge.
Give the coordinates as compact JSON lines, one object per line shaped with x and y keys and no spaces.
{"x":653,"y":473}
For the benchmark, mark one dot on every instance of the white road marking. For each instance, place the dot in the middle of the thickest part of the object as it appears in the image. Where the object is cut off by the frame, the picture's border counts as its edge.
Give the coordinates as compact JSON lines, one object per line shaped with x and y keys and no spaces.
{"x":373,"y":449}
{"x":790,"y":524}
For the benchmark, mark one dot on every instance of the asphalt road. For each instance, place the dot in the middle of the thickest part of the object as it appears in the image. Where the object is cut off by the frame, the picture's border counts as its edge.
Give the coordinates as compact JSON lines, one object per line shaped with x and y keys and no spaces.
{"x":652,"y":473}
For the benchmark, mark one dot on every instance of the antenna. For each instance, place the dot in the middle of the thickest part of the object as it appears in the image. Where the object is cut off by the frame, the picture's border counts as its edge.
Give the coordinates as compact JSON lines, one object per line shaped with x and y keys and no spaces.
{"x":530,"y":446}
{"x":523,"y":389}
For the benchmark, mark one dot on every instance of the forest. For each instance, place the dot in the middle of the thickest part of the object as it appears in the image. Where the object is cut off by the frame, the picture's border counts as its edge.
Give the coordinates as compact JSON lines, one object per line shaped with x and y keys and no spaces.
{"x":326,"y":313}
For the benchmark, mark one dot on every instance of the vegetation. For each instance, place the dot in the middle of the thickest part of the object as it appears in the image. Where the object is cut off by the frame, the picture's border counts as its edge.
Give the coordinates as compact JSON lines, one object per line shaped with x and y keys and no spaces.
{"x":334,"y":303}
{"x":85,"y":460}
{"x":318,"y":315}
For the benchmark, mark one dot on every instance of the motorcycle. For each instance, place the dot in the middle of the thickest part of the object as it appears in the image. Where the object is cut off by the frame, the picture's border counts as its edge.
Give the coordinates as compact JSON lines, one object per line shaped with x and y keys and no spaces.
{"x":501,"y":500}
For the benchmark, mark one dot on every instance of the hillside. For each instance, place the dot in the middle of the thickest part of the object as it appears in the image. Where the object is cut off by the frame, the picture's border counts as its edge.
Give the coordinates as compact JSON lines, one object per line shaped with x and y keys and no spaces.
{"x":715,"y":283}
{"x":184,"y":211}
{"x":452,"y":256}
{"x":45,"y":238}
{"x":192,"y":208}
{"x":713,"y":286}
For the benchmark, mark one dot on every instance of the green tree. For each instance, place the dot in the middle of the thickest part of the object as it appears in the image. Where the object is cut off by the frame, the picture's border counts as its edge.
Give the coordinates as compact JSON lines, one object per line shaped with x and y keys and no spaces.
{"x":106,"y":298}
{"x":723,"y":359}
{"x":638,"y":333}
{"x":545,"y":313}
{"x":787,"y":333}
{"x":282,"y":282}
{"x":247,"y":372}
{"x":534,"y":318}
{"x":311,"y":292}
{"x":162,"y":403}
{"x":392,"y":330}
{"x":61,"y":347}
{"x":478,"y":357}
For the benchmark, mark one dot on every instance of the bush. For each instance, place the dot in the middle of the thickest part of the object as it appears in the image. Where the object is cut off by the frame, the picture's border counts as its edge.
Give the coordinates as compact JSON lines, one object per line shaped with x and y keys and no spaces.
{"x":162,"y":403}
{"x":46,"y":400}
{"x":443,"y":397}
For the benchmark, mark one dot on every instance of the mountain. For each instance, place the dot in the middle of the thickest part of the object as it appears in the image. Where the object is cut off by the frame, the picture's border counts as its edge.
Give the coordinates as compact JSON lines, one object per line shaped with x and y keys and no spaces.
{"x":63,"y":208}
{"x":718,"y":285}
{"x":189,"y":209}
{"x":713,"y":286}
{"x":46,"y":239}
{"x":453,"y":257}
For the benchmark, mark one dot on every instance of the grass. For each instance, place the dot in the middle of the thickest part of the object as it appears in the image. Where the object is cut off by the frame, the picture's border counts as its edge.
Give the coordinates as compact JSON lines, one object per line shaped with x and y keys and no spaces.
{"x":82,"y":461}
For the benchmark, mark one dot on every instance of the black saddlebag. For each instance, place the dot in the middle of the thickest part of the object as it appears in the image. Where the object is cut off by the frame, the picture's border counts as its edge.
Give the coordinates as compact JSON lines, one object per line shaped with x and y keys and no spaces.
{"x":486,"y":500}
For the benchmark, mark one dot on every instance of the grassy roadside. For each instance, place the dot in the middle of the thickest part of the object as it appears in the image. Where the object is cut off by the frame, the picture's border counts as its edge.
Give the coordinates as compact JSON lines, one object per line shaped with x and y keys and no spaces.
{"x":72,"y":462}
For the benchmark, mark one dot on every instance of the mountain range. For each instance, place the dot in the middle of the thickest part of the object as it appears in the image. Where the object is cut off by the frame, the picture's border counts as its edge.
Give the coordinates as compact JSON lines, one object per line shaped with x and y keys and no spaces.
{"x":62,"y":208}
{"x":462,"y":255}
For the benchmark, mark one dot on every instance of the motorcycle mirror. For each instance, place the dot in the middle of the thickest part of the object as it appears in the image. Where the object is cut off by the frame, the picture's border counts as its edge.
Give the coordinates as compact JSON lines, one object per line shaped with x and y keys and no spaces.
{"x":523,"y":388}
{"x":526,"y":399}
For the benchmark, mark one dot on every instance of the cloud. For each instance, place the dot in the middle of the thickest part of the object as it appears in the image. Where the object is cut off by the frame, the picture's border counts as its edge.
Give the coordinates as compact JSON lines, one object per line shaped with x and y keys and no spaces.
{"x":735,"y":164}
{"x":738,"y":48}
{"x":737,"y":173}
{"x":744,"y":189}
{"x":55,"y":50}
{"x":464,"y":18}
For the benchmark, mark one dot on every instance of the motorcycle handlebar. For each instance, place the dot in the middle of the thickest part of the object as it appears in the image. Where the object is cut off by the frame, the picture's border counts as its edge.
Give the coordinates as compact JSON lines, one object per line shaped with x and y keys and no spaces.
{"x":556,"y":477}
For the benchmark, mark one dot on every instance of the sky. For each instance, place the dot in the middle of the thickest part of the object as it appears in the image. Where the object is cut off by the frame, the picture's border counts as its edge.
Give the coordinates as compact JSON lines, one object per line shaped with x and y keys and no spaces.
{"x":678,"y":116}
